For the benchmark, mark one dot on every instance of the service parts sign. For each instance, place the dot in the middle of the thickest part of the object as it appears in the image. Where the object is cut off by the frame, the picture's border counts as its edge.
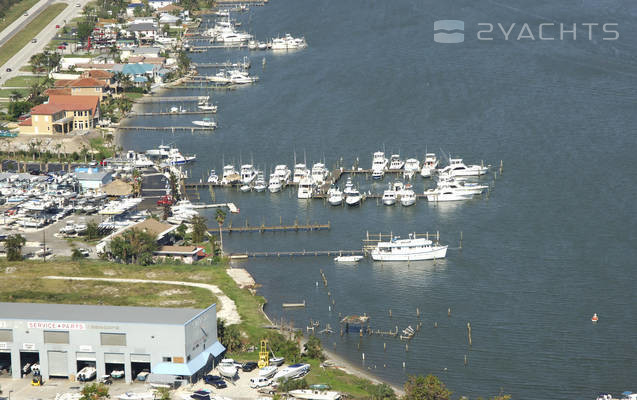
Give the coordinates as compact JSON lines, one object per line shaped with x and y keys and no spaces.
{"x":66,"y":326}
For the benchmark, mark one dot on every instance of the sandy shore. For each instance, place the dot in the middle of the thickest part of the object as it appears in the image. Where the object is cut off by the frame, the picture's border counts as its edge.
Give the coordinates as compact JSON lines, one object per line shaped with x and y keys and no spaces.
{"x":241,"y":276}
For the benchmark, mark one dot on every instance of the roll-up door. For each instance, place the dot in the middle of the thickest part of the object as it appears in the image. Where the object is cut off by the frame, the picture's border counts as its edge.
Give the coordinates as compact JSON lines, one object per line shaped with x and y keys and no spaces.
{"x":113,"y":358}
{"x":58,"y":363}
{"x":142,"y":358}
{"x":83,"y":356}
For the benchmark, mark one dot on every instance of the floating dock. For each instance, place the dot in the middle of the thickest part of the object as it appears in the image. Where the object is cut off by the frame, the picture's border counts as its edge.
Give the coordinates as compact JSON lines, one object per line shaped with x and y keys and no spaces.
{"x":303,"y":253}
{"x":275,"y":228}
{"x":171,"y":99}
{"x":293,"y":305}
{"x":168,"y":128}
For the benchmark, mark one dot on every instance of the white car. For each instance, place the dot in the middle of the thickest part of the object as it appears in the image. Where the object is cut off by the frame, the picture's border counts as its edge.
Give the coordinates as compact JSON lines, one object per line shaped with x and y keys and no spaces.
{"x":260,"y":382}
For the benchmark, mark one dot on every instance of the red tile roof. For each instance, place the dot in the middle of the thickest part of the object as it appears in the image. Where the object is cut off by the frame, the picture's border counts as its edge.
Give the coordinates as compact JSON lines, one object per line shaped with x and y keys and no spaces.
{"x":76,"y":103}
{"x":61,"y":83}
{"x":26,"y":122}
{"x":46,"y":109}
{"x":62,"y":91}
{"x":98,"y":74}
{"x":95,"y":66}
{"x":86,"y":83}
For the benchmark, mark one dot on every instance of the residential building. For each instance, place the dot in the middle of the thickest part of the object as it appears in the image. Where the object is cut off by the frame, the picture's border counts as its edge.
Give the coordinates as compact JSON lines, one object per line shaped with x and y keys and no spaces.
{"x":185,"y":254}
{"x":157,"y":4}
{"x":61,"y":115}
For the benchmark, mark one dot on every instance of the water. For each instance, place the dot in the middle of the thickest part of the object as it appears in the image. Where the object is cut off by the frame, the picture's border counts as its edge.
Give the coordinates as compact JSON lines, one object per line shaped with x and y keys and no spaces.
{"x":551,"y":245}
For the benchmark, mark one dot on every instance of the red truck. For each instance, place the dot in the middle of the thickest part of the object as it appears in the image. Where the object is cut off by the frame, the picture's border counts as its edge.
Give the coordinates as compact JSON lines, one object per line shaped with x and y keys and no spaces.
{"x":166,"y":200}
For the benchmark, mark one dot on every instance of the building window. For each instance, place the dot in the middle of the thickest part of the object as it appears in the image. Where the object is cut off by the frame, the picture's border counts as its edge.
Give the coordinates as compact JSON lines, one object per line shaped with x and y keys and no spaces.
{"x":60,"y":337}
{"x":167,"y":359}
{"x":113,"y":339}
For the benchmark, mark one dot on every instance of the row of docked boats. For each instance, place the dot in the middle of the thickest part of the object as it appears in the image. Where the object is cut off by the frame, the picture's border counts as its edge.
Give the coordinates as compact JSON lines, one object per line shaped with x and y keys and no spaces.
{"x":285,"y":43}
{"x":411,"y":166}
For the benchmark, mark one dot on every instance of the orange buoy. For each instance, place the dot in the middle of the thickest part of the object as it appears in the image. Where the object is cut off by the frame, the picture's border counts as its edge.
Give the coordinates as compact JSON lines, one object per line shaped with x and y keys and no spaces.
{"x":595,"y":318}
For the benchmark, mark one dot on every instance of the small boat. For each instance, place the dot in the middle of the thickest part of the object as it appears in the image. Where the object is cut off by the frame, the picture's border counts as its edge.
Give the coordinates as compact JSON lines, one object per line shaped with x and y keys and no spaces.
{"x":227,"y":368}
{"x":395,"y":163}
{"x":213,"y":177}
{"x":595,"y":318}
{"x":412,"y":249}
{"x":354,"y":198}
{"x":447,"y":194}
{"x":378,"y":174}
{"x":142,"y":376}
{"x":335,"y":196}
{"x":207,"y":107}
{"x":292,"y":372}
{"x":206,"y":122}
{"x":176,"y":110}
{"x":259,"y":382}
{"x":268,"y":371}
{"x":117,"y":374}
{"x":86,"y":374}
{"x":245,"y":188}
{"x":278,"y":361}
{"x":348,"y":259}
{"x":314,"y":394}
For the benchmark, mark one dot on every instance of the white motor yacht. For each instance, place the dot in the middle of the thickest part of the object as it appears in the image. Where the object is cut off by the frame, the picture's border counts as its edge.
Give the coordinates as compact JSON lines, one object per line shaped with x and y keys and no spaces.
{"x":275,"y":184}
{"x":319,"y":173}
{"x":259,"y":183}
{"x":348,"y":259}
{"x":207,"y":107}
{"x":300,"y":172}
{"x":268,"y":371}
{"x":230,"y":175}
{"x":283,"y":173}
{"x":288,"y":43}
{"x":349,"y":187}
{"x":446,"y":193}
{"x":353,"y":198}
{"x":334,"y":196}
{"x":314,"y":394}
{"x":206,"y":123}
{"x":412,"y":166}
{"x":213,"y":177}
{"x":429,"y":166}
{"x":379,"y":162}
{"x":389,"y":197}
{"x":245,"y":188}
{"x":446,"y":181}
{"x":306,"y":188}
{"x":407,"y":197}
{"x":378,"y":174}
{"x":396,"y":163}
{"x":457,"y":168}
{"x":248,"y":174}
{"x":412,"y":249}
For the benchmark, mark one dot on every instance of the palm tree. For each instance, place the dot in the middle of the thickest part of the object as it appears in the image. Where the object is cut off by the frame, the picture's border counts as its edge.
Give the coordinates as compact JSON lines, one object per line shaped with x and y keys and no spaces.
{"x":220,"y":218}
{"x":15,"y":95}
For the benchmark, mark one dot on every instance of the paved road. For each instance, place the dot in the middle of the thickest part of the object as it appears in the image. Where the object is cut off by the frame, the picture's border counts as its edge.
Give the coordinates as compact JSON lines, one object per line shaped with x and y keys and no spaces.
{"x":43,"y":38}
{"x":22,"y":21}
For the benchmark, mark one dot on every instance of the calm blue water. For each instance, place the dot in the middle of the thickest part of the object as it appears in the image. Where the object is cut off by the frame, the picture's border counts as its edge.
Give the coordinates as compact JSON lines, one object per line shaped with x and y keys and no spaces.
{"x":553,"y":242}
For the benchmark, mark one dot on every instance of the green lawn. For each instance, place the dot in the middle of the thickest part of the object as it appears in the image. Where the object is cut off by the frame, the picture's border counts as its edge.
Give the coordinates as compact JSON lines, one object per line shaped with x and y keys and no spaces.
{"x":15,"y":11}
{"x":25,"y":68}
{"x":7,"y":92}
{"x":133,"y":95}
{"x":22,"y":38}
{"x":24,"y":81}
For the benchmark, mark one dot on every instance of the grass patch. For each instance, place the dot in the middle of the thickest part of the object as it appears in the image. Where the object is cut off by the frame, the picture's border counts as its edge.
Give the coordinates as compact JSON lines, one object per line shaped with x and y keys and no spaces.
{"x":22,"y":38}
{"x":338,"y":380}
{"x":23,"y":81}
{"x":7,"y":92}
{"x":25,"y":68}
{"x":133,"y":95}
{"x":13,"y":12}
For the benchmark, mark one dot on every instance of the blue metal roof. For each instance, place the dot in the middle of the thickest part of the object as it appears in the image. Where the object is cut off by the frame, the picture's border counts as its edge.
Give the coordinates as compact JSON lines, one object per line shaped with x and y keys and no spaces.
{"x":137,"y":69}
{"x":193,"y":366}
{"x":140,"y":78}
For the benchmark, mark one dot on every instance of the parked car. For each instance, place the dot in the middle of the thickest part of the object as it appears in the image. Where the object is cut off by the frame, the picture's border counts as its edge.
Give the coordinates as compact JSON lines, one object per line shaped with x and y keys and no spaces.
{"x":61,"y":47}
{"x":34,"y":40}
{"x":219,"y":384}
{"x":57,"y":26}
{"x":259,"y":382}
{"x":9,"y":70}
{"x":26,"y":14}
{"x":249,"y":366}
{"x":215,"y":381}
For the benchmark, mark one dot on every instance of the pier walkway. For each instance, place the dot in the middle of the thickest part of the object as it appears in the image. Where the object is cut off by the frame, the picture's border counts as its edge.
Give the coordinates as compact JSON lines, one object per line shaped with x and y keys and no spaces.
{"x":303,"y":253}
{"x":274,"y":228}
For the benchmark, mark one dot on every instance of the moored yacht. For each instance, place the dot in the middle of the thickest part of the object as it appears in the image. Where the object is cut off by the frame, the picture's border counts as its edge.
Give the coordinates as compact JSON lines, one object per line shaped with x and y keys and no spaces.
{"x":349,"y":187}
{"x":275,"y":184}
{"x":248,"y":173}
{"x":334,"y":196}
{"x":457,"y":168}
{"x":206,"y":123}
{"x":412,"y":249}
{"x":395,"y":162}
{"x":213,"y":177}
{"x":412,"y":166}
{"x":259,"y":183}
{"x":354,"y":198}
{"x":230,"y":175}
{"x":306,"y":188}
{"x":379,"y":162}
{"x":288,"y":43}
{"x":283,"y":173}
{"x":390,"y":196}
{"x":319,"y":173}
{"x":429,"y":166}
{"x":407,"y":197}
{"x":300,"y":172}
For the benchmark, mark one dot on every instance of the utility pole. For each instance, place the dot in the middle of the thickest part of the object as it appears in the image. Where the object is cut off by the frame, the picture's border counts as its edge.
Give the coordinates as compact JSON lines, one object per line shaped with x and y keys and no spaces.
{"x":44,"y":245}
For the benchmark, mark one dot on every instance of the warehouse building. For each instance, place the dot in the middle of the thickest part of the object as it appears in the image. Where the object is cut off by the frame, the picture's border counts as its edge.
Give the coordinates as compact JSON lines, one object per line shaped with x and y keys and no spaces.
{"x":64,"y":338}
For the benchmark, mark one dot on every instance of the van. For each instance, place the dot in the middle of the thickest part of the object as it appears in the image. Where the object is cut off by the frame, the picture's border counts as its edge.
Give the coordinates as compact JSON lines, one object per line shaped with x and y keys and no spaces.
{"x":260,"y":382}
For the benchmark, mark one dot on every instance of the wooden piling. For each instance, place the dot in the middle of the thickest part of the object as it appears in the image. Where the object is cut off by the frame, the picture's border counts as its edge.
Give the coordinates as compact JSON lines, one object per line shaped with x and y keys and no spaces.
{"x":465,"y":360}
{"x":448,"y":312}
{"x":417,"y":312}
{"x":390,"y":313}
{"x":469,"y":332}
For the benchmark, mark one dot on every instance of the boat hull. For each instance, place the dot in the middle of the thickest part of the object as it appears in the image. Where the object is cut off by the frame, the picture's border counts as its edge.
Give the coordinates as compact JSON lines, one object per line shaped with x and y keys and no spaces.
{"x":434,"y":253}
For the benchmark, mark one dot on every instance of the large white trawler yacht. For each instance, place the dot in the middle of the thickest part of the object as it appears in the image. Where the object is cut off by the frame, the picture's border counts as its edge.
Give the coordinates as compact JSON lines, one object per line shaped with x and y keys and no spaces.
{"x":412,"y":249}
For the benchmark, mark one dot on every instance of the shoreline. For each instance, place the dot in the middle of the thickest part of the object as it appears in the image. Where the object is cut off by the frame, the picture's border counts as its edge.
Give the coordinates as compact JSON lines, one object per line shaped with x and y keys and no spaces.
{"x":339,"y":362}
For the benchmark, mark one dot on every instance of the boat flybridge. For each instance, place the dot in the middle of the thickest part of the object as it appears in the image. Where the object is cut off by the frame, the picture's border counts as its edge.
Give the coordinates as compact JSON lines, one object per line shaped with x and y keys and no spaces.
{"x":248,"y":174}
{"x":319,"y":173}
{"x":230,"y":175}
{"x":429,"y":166}
{"x":396,"y":163}
{"x":300,"y":172}
{"x":412,"y":249}
{"x":457,"y":168}
{"x":412,"y":166}
{"x":379,"y":162}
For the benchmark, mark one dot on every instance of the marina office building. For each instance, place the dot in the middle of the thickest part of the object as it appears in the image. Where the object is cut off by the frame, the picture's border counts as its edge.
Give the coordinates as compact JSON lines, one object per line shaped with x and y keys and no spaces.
{"x":64,"y":338}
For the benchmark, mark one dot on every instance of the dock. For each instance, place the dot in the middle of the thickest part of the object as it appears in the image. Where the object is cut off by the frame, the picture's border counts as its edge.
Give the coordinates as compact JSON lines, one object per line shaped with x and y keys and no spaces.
{"x":226,"y":64}
{"x":148,"y":114}
{"x":274,"y":228}
{"x":293,"y":305}
{"x":168,"y":128}
{"x":172,"y":99}
{"x":303,"y":253}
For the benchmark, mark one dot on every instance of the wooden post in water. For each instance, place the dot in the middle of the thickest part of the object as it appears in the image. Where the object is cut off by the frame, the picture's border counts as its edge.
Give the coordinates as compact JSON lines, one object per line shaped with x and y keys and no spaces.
{"x":501,"y":167}
{"x":390,"y":313}
{"x":406,"y":347}
{"x":384,"y":346}
{"x":460,"y":240}
{"x":465,"y":360}
{"x":436,"y":324}
{"x":469,"y":331}
{"x":417,"y":312}
{"x":449,"y":312}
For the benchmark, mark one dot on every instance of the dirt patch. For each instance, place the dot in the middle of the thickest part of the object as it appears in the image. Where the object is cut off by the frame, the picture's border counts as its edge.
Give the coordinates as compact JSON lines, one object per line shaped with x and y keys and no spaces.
{"x":151,"y":275}
{"x":9,"y":270}
{"x":109,"y":272}
{"x":172,"y":292}
{"x":197,"y":278}
{"x":110,"y":290}
{"x":176,"y":302}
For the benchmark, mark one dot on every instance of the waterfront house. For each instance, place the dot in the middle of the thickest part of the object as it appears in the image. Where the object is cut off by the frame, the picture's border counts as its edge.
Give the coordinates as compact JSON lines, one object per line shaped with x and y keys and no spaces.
{"x":185,"y":254}
{"x":84,"y":87}
{"x":103,"y":76}
{"x":139,"y":73}
{"x":61,"y":115}
{"x":163,"y":232}
{"x":143,"y":32}
{"x":157,"y":4}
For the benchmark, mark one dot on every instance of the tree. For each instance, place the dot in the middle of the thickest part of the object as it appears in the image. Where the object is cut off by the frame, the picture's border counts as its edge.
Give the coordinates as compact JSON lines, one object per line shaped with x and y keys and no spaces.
{"x":76,"y":255}
{"x":183,"y":61}
{"x":92,"y":230}
{"x":15,"y":95}
{"x":134,"y":246}
{"x":381,"y":391}
{"x":163,"y":394}
{"x":220,"y":217}
{"x":232,"y":338}
{"x":288,"y":385}
{"x":313,"y":348}
{"x":17,"y":108}
{"x":13,"y":246}
{"x":174,"y":187}
{"x":181,"y":230}
{"x":199,"y":229}
{"x":425,"y":388}
{"x":221,"y":329}
{"x":95,"y":391}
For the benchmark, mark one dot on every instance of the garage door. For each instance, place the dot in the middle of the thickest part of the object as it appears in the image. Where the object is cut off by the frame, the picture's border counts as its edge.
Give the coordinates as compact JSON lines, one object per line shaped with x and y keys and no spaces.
{"x":144,"y":358}
{"x":113,"y":358}
{"x":82,"y":356}
{"x":58,"y":363}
